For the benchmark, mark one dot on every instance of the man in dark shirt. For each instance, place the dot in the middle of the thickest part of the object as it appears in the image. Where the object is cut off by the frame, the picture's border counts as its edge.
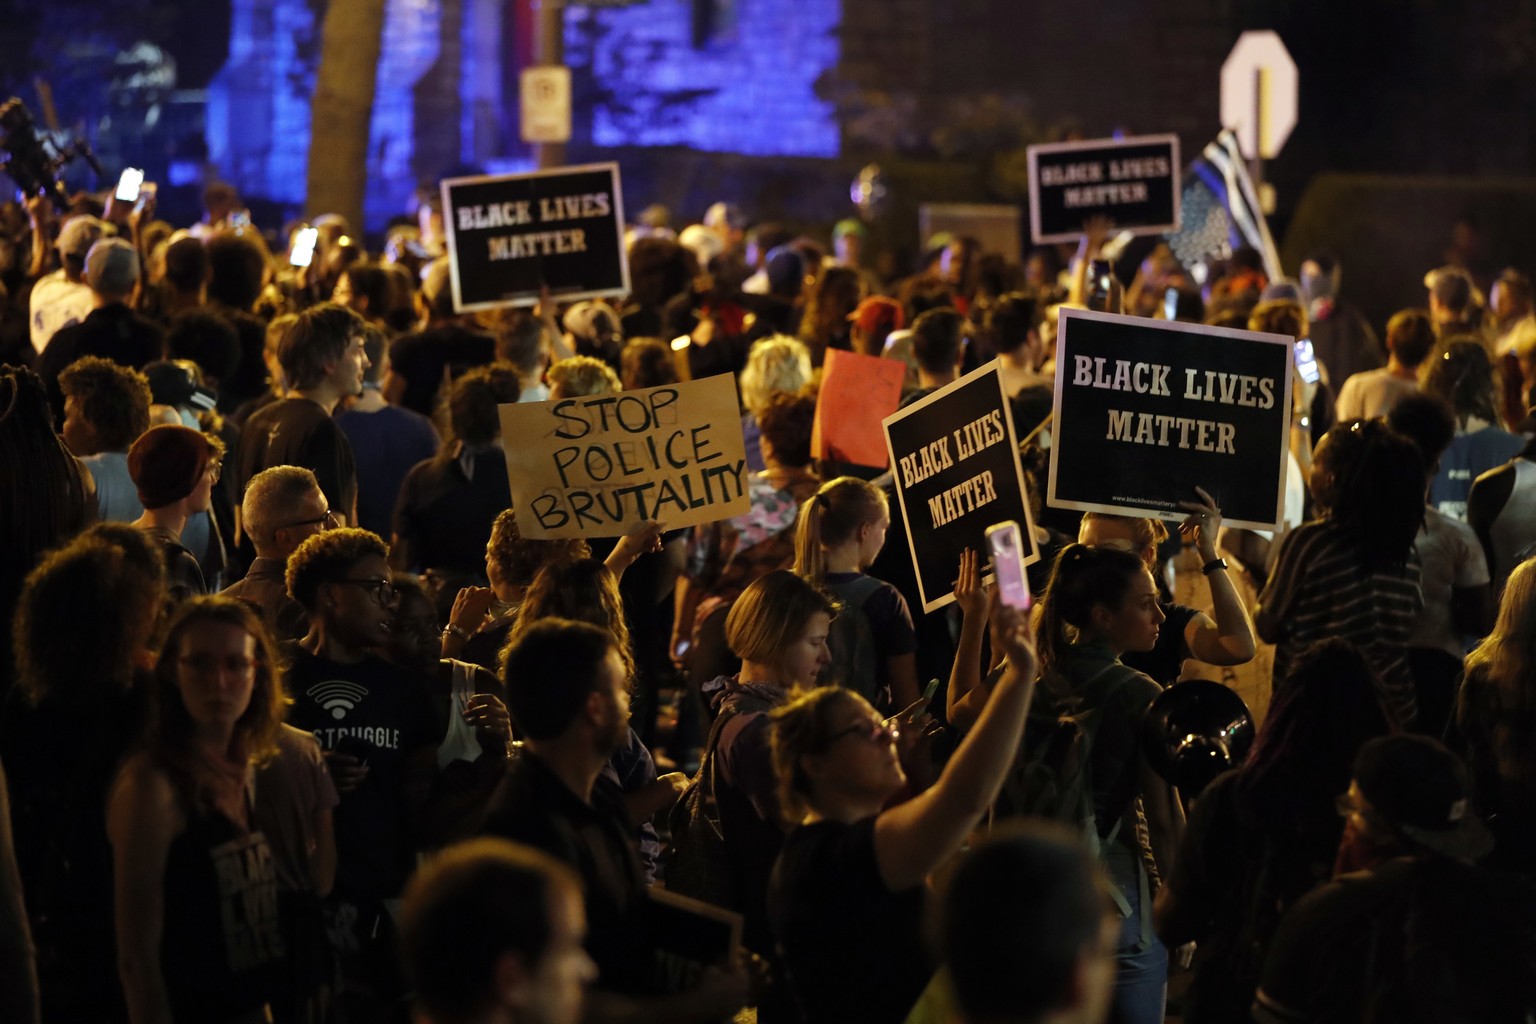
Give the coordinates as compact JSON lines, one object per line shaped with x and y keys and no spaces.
{"x":447,"y":504}
{"x":373,"y":721}
{"x":323,"y":361}
{"x":111,"y":330}
{"x":566,"y":691}
{"x":283,"y":507}
{"x":492,"y":931}
{"x":418,"y":361}
{"x":1409,"y":929}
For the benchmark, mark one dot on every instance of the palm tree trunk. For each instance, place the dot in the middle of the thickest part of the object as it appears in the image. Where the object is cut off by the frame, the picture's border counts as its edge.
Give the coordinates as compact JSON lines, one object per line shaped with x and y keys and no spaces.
{"x":351,"y":38}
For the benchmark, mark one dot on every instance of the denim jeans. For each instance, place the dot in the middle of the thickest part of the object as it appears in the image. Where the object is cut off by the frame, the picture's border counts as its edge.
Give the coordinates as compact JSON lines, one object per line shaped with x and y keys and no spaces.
{"x":1141,"y":976}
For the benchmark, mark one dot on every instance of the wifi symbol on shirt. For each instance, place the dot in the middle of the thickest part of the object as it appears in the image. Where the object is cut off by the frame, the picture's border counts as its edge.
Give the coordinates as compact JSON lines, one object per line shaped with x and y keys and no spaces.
{"x":337,"y":696}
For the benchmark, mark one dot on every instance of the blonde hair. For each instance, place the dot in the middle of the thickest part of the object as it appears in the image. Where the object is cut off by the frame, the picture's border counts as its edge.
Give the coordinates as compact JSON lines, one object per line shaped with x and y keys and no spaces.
{"x":776,"y":363}
{"x":1501,"y":677}
{"x":799,"y":729}
{"x":831,"y":517}
{"x":771,"y":614}
{"x":582,"y":376}
{"x":1145,"y":533}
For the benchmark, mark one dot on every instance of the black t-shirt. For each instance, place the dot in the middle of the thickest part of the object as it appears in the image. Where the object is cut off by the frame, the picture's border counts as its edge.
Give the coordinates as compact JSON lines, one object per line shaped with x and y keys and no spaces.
{"x":112,"y":332}
{"x":298,"y":432}
{"x":532,"y":805}
{"x":1233,"y":879}
{"x":446,"y":517}
{"x":1165,"y":661}
{"x":854,"y":949}
{"x":419,"y":359}
{"x":1411,"y":940}
{"x":383,"y":713}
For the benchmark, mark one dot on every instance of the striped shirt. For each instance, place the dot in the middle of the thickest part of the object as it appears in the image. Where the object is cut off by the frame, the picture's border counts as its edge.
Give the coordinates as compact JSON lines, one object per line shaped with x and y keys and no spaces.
{"x":1320,"y":589}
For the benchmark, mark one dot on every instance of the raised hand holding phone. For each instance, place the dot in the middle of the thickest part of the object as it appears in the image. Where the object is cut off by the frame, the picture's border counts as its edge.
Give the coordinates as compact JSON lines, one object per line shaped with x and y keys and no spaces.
{"x":1005,"y":541}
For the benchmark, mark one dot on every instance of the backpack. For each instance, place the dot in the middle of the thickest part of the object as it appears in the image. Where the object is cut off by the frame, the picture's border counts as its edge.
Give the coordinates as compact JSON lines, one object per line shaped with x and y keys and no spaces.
{"x":855,"y":661}
{"x":1052,"y":777}
{"x":699,"y":865}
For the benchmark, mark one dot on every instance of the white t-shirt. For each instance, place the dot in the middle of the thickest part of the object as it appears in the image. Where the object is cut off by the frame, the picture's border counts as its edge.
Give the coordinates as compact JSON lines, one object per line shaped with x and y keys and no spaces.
{"x":1372,"y":393}
{"x":1450,"y":557}
{"x":57,"y":302}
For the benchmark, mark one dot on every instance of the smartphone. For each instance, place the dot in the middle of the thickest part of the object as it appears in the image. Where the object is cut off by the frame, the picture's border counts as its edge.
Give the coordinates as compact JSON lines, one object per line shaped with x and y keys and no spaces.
{"x":1306,"y":361}
{"x":304,"y":247}
{"x":1171,"y":304}
{"x":1098,"y":284}
{"x":1006,"y":542}
{"x":240,"y":219}
{"x":353,"y":746}
{"x":128,"y":184}
{"x":933,"y":688}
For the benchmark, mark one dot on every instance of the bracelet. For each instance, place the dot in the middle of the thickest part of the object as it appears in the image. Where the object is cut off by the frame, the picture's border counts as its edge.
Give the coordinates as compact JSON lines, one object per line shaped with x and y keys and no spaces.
{"x":458,"y":631}
{"x":1213,"y":565}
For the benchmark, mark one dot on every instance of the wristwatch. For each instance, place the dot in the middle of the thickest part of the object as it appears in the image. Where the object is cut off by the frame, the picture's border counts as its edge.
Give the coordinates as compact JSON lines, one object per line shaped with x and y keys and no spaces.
{"x":1213,"y":565}
{"x":457,"y":631}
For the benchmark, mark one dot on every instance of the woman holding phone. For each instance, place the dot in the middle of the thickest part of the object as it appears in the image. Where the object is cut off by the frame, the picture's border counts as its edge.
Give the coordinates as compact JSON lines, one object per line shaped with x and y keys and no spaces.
{"x":198,"y":937}
{"x":847,"y":896}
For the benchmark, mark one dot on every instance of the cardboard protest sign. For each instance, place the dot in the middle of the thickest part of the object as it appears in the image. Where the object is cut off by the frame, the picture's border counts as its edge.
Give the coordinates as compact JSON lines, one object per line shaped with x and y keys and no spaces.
{"x":687,"y":936}
{"x":955,"y":458}
{"x":1133,"y":182}
{"x":857,"y":393}
{"x":595,"y":466}
{"x":1147,"y":410}
{"x":511,"y":234}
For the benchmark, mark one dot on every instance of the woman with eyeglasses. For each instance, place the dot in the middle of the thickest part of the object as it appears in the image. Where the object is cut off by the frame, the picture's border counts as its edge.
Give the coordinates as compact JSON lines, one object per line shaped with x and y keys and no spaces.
{"x":198,"y":935}
{"x":847,"y":896}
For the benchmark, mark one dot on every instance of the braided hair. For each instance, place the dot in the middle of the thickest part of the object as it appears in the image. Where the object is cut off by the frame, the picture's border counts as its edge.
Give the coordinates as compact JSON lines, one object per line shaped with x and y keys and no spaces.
{"x":1377,"y":491}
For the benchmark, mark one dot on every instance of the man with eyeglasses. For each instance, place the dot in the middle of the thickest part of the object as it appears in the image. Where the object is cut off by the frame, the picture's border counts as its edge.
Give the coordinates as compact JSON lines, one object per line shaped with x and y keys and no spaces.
{"x":283,"y":507}
{"x":1411,"y":928}
{"x":374,"y":723}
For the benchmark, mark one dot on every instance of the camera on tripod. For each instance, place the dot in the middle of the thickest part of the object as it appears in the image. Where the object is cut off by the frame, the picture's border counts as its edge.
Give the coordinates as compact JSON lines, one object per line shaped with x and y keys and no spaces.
{"x":34,"y":162}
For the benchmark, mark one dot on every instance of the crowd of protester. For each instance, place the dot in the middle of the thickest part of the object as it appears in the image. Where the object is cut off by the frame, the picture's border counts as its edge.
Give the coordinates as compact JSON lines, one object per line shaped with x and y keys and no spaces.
{"x":297,"y":725}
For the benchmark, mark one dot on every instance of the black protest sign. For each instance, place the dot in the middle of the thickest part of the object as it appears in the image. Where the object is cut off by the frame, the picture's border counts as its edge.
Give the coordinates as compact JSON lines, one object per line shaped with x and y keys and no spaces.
{"x":597,"y":465}
{"x":1148,"y":410}
{"x":1133,"y":182}
{"x":955,"y":460}
{"x":509,"y":235}
{"x":687,"y":937}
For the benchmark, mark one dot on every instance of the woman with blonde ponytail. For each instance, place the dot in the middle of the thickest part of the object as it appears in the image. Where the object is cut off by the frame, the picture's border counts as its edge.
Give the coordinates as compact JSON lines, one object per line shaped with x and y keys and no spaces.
{"x":841,"y":530}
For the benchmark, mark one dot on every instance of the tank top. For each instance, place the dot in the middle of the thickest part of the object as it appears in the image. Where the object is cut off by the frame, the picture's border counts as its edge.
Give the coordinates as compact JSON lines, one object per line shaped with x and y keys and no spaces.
{"x":222,"y":946}
{"x":1514,"y":529}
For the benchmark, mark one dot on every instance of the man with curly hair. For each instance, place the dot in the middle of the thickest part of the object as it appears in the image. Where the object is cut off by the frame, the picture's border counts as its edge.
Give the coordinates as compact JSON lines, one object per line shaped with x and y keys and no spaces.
{"x":372,"y":719}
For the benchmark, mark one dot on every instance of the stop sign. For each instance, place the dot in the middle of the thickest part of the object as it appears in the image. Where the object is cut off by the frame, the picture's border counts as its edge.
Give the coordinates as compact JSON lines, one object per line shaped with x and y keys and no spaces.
{"x":1258,"y":93}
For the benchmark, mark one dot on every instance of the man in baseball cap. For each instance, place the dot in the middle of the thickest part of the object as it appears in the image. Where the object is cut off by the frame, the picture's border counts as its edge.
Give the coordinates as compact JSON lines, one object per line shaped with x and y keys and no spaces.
{"x":1410,"y":929}
{"x":111,"y":330}
{"x":62,"y":297}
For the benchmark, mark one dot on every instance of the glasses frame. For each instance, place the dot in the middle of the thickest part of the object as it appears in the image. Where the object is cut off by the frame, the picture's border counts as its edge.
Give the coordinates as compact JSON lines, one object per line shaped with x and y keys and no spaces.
{"x":383,"y":591}
{"x":329,"y":520}
{"x":873,"y":732}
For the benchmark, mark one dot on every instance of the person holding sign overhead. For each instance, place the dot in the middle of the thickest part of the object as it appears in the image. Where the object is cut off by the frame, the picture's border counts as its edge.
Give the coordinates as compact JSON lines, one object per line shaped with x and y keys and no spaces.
{"x":1189,"y":632}
{"x":842,"y":528}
